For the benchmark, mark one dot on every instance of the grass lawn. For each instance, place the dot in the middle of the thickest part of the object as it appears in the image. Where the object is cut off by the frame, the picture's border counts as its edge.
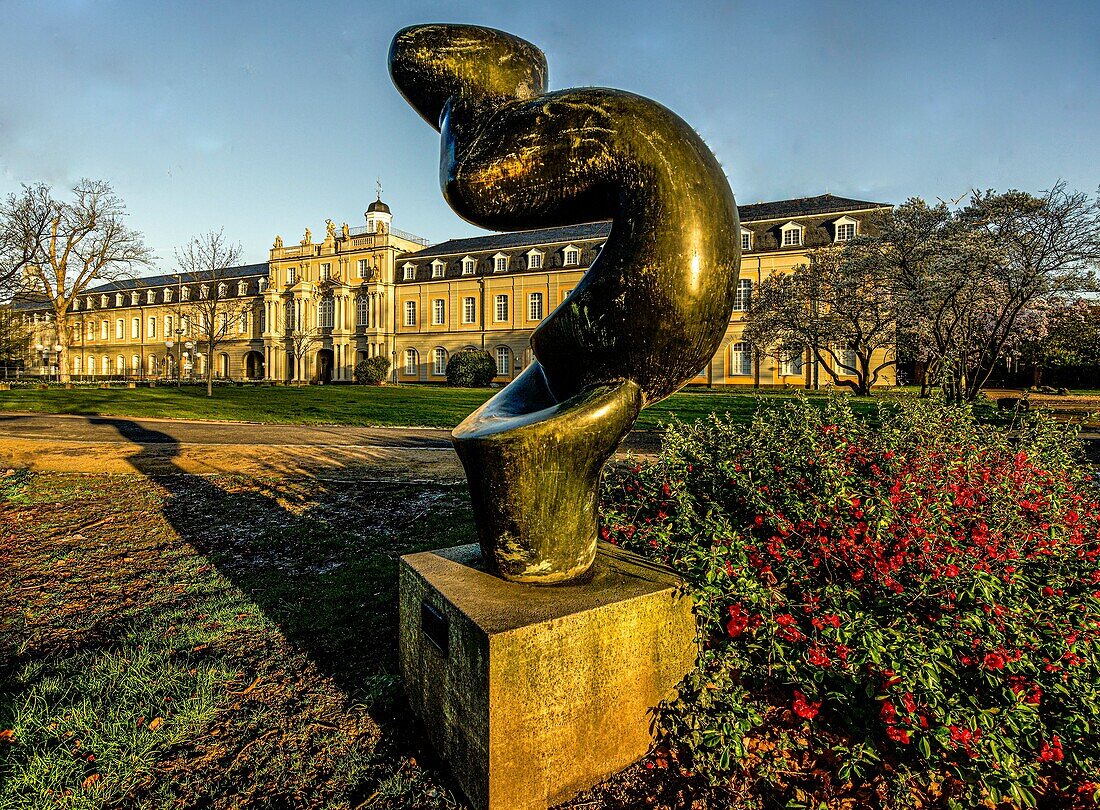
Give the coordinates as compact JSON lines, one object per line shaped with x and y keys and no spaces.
{"x":420,"y":406}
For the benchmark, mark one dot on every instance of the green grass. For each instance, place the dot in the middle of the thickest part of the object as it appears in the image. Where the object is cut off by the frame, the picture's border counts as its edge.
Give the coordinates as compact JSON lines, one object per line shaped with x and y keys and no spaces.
{"x":419,"y":406}
{"x":201,"y":642}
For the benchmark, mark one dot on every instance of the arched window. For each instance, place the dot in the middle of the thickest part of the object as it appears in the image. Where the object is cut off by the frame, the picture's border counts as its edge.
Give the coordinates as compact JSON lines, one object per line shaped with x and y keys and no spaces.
{"x":846,"y":361}
{"x":91,"y":364}
{"x":135,"y":365}
{"x":741,"y":359}
{"x":504,"y":361}
{"x":223,"y":289}
{"x":362,"y":310}
{"x":325,"y":313}
{"x":410,"y":362}
{"x":223,"y":365}
{"x":152,"y":365}
{"x":439,"y":361}
{"x":791,"y":365}
{"x":76,"y":365}
{"x":120,"y":365}
{"x":105,"y":365}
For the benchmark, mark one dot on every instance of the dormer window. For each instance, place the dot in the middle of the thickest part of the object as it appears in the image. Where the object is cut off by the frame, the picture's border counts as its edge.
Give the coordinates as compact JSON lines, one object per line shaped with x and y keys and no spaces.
{"x":76,"y":305}
{"x":263,"y":283}
{"x":118,"y":299}
{"x":134,"y":300}
{"x":223,"y":290}
{"x":167,"y":294}
{"x":103,"y":301}
{"x":845,"y":229}
{"x":409,"y":271}
{"x":151,"y":297}
{"x":437,"y":268}
{"x":791,"y":235}
{"x":534,"y":260}
{"x":204,"y":291}
{"x":185,"y":294}
{"x":746,"y":240}
{"x":88,"y":302}
{"x":571,"y":255}
{"x":500,"y":263}
{"x":242,"y":287}
{"x":469,"y":265}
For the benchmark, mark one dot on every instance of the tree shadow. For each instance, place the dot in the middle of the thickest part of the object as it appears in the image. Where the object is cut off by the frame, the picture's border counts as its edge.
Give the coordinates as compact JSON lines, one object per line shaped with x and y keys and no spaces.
{"x":317,"y":556}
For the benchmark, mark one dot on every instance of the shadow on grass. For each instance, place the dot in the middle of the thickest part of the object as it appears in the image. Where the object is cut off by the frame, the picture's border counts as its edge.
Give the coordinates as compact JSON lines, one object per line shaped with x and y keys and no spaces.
{"x":318,"y":558}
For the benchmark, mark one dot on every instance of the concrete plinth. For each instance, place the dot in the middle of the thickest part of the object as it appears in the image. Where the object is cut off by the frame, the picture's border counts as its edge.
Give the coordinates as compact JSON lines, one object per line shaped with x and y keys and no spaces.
{"x":531,"y":694}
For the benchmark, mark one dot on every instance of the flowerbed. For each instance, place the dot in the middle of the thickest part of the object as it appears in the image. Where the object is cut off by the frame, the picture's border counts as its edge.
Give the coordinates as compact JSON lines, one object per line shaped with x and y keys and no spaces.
{"x":906,"y":615}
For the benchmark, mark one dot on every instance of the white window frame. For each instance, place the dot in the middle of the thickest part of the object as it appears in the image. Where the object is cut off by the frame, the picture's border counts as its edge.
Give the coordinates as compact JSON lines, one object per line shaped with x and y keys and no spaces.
{"x":469,"y":309}
{"x":135,"y":328}
{"x":746,"y":240}
{"x":291,"y":276}
{"x":167,"y":295}
{"x":326,"y":271}
{"x":500,"y":263}
{"x":410,"y":312}
{"x":412,"y":361}
{"x":792,"y":365}
{"x":438,"y":268}
{"x":439,"y":311}
{"x":534,"y":306}
{"x":743,"y":297}
{"x":134,"y":298}
{"x":409,"y":273}
{"x":784,"y":235}
{"x":362,"y":269}
{"x":118,"y":299}
{"x":571,"y":256}
{"x":469,"y":265}
{"x":223,"y":290}
{"x":845,"y":223}
{"x":439,"y":361}
{"x":242,"y":287}
{"x":500,"y":308}
{"x":503,"y":357}
{"x":362,"y":311}
{"x":741,"y":359}
{"x":120,"y":329}
{"x":534,"y":260}
{"x":326,"y":313}
{"x":152,"y":328}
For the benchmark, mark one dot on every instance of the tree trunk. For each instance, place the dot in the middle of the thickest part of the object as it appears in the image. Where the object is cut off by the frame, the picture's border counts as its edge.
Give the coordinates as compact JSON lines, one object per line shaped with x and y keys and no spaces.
{"x":61,"y":323}
{"x":210,"y":368}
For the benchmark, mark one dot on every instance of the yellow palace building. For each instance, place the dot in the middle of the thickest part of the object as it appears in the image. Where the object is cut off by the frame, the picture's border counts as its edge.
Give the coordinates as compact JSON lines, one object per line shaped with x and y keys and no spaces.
{"x":317,"y":308}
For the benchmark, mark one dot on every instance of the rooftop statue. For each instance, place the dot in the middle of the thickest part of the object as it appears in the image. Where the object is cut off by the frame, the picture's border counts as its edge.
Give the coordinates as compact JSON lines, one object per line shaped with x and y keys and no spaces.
{"x":648,"y":314}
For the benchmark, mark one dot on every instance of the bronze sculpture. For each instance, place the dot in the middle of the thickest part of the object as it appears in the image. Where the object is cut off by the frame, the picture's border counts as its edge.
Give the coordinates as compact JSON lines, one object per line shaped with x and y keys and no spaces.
{"x":647,"y":315}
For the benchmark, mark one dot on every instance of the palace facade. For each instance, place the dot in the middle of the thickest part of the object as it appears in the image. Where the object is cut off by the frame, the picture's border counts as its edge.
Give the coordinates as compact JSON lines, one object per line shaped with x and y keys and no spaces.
{"x":315,"y":309}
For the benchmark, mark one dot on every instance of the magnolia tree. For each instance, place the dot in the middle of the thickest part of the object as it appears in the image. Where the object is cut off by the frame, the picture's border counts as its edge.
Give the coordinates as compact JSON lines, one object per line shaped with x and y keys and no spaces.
{"x":57,"y":248}
{"x":841,"y":306}
{"x":971,"y":285}
{"x":207,"y":260}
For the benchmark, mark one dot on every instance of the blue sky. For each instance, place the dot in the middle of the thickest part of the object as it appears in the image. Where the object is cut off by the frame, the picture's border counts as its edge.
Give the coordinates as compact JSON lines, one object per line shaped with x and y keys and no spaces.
{"x":268,"y":117}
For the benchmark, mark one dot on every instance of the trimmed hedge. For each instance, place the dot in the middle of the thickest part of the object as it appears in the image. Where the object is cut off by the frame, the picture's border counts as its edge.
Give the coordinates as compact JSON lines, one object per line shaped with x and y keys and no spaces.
{"x":471,"y":368}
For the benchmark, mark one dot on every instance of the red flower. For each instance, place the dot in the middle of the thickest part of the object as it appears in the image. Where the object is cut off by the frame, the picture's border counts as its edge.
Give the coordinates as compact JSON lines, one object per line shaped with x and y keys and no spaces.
{"x":805,"y":709}
{"x":739,"y":620}
{"x":1052,"y":751}
{"x":909,"y":703}
{"x":994,"y":660}
{"x":897,"y":734}
{"x":951,"y":570}
{"x":818,"y":658}
{"x":888,"y":713}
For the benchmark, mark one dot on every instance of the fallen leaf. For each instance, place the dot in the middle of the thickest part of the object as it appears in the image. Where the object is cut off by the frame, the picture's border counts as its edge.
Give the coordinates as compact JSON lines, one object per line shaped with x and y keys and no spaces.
{"x":90,"y":781}
{"x":156,"y":723}
{"x":7,"y":735}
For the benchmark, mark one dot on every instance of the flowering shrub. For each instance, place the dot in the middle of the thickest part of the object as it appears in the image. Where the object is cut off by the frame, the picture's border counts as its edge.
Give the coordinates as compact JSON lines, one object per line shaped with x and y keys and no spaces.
{"x":906,"y":612}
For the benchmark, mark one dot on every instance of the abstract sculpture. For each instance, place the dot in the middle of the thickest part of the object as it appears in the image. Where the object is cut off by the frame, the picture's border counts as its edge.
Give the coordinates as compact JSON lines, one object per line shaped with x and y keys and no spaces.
{"x":648,"y":314}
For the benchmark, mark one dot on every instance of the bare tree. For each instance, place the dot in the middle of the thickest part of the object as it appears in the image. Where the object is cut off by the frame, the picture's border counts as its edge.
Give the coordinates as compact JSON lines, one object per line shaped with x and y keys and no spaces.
{"x":841,"y":306}
{"x":83,"y":241}
{"x":15,"y":338}
{"x":24,"y":224}
{"x":301,"y":341}
{"x":207,"y":260}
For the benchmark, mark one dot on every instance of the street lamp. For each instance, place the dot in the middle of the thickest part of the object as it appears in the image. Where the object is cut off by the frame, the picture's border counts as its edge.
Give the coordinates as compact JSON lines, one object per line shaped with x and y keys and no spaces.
{"x":57,"y":349}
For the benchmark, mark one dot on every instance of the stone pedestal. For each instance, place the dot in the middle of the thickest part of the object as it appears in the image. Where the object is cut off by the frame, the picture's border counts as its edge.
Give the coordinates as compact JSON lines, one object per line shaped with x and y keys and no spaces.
{"x":531,"y":694}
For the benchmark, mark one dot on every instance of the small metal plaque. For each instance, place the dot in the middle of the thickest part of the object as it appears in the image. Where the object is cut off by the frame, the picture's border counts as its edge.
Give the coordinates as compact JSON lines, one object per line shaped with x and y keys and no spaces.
{"x":436,"y":626}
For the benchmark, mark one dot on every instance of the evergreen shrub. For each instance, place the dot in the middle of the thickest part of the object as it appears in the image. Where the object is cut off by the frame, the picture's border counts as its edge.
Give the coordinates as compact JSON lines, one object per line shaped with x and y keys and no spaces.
{"x":896,"y":612}
{"x":471,"y":368}
{"x":372,"y":371}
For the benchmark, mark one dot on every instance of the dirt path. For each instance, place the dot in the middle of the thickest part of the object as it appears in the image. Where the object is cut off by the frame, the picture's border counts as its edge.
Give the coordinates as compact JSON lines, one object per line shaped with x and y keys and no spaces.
{"x":110,"y":444}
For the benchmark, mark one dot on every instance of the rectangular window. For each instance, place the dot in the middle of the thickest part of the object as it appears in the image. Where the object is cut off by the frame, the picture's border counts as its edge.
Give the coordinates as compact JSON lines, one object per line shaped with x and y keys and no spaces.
{"x":500,"y":312}
{"x":469,"y":309}
{"x":326,"y":271}
{"x":534,"y":306}
{"x":168,"y":326}
{"x":120,"y":329}
{"x":792,"y":237}
{"x":105,"y":331}
{"x":291,"y":275}
{"x":468,"y":267}
{"x":91,"y":330}
{"x":410,"y":362}
{"x":743,"y":297}
{"x":845,"y":231}
{"x":410,"y":272}
{"x":741,"y":359}
{"x":410,"y":313}
{"x":572,"y":256}
{"x":362,"y":310}
{"x":500,"y":264}
{"x":746,"y":240}
{"x":363,"y":271}
{"x":135,"y":328}
{"x":242,"y":323}
{"x":437,"y":269}
{"x":534,"y":261}
{"x":439,"y":311}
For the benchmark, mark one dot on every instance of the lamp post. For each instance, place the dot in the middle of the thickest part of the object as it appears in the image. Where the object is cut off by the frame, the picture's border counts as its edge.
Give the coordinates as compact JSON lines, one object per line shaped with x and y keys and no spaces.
{"x":57,"y":349}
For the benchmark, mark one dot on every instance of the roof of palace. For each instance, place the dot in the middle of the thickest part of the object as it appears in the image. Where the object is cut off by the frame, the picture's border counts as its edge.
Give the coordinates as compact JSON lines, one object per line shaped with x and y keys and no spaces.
{"x":172,"y":279}
{"x":755,"y":212}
